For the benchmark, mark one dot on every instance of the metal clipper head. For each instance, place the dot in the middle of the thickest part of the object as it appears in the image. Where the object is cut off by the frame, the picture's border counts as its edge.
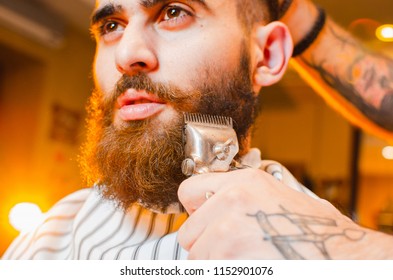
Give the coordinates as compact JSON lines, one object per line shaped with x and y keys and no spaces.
{"x":210,"y":144}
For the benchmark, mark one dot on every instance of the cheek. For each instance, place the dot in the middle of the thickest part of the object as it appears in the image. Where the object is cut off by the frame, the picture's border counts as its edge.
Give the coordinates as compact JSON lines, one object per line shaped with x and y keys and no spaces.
{"x":194,"y":61}
{"x":105,"y":71}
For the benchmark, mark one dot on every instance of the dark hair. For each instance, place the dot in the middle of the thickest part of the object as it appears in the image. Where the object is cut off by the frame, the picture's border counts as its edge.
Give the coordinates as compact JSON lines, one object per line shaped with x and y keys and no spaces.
{"x":252,"y":11}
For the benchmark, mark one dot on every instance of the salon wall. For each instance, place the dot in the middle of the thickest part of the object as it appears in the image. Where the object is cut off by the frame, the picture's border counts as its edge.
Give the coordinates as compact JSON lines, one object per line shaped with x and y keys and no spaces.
{"x":299,"y":130}
{"x":375,"y":203}
{"x":296,"y":127}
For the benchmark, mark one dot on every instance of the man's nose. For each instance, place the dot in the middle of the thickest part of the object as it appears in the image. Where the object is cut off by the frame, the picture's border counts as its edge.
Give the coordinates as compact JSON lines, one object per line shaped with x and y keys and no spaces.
{"x":135,"y":52}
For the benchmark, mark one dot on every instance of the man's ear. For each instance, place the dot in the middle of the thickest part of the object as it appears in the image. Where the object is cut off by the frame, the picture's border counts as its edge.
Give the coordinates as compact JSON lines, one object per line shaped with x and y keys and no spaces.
{"x":274,"y":48}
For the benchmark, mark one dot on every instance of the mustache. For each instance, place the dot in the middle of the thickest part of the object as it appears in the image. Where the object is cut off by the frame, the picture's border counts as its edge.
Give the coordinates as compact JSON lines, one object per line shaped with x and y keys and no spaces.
{"x":165,"y":92}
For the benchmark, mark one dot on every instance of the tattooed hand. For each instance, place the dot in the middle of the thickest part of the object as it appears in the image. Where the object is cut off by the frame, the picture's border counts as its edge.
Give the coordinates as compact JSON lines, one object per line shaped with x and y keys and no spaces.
{"x":251,"y":215}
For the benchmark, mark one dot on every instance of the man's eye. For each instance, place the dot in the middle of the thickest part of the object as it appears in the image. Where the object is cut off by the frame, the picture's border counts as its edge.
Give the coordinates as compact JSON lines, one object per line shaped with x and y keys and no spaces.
{"x":109,"y":27}
{"x":174,"y":12}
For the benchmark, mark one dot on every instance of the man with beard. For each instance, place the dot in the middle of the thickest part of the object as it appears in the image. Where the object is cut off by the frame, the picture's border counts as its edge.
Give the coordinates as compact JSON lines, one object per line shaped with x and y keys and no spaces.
{"x":156,"y":60}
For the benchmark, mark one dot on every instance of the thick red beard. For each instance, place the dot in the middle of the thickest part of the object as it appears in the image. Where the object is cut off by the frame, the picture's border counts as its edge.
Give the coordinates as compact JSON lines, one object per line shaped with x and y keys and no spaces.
{"x":141,"y":162}
{"x":137,"y":164}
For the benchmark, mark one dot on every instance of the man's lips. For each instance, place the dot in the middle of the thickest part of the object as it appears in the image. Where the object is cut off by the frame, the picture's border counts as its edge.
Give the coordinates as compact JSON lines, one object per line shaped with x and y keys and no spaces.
{"x":138,"y":105}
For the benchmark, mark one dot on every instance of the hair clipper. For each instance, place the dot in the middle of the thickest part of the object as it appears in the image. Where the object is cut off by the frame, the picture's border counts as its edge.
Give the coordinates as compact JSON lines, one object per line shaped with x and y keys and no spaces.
{"x":210,"y":144}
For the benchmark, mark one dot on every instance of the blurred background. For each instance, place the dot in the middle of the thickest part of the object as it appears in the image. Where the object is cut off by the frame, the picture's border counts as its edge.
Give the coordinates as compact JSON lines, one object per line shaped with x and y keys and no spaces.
{"x":46,"y":54}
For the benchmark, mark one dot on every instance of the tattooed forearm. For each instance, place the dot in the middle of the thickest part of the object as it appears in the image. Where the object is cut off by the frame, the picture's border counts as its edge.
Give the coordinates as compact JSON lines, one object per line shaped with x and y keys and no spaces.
{"x":288,"y":244}
{"x":364,"y":78}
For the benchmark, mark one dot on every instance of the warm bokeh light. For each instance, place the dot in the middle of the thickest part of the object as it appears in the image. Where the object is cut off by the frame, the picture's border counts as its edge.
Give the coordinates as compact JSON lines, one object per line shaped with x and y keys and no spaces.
{"x":385,"y":33}
{"x":25,"y":216}
{"x":387,"y":152}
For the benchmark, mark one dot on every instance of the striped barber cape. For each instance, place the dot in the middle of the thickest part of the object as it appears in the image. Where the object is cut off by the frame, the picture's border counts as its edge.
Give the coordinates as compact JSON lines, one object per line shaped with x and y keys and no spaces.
{"x":84,"y":226}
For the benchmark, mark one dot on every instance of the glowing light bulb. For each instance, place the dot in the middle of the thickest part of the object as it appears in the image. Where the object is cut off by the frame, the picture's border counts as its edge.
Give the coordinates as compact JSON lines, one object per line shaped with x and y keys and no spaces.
{"x":24,"y":217}
{"x":387,"y":152}
{"x":385,"y":33}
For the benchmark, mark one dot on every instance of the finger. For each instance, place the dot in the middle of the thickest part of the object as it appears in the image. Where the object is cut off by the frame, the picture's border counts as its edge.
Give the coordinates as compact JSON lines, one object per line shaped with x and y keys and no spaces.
{"x":211,"y":245}
{"x":192,"y":229}
{"x":200,"y":248}
{"x":226,"y":237}
{"x":230,"y":195}
{"x":196,"y":190}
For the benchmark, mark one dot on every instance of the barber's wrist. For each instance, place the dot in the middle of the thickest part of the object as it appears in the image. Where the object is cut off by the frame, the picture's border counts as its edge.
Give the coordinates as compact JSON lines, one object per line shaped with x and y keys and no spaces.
{"x":283,"y":7}
{"x":300,"y":18}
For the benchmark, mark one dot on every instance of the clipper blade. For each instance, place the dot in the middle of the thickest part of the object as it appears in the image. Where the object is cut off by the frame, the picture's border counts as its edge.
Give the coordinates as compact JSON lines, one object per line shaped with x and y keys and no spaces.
{"x":208,"y":119}
{"x":210,"y":143}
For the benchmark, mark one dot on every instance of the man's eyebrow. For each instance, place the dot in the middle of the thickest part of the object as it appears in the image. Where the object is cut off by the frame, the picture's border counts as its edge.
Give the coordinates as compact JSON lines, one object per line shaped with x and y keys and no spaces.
{"x":111,"y":9}
{"x":105,"y":11}
{"x":152,"y":3}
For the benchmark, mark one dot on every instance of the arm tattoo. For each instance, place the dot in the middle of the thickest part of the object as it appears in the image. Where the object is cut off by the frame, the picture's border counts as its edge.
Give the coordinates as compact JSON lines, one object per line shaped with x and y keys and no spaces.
{"x":367,"y":82}
{"x":286,"y":244}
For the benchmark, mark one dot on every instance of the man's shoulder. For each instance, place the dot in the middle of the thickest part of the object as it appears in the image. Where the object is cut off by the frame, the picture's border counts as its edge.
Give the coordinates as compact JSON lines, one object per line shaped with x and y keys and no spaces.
{"x":74,"y":201}
{"x":69,"y":205}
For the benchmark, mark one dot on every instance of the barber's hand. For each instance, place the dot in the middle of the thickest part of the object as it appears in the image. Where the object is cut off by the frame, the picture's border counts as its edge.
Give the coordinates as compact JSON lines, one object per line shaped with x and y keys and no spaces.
{"x":251,"y":215}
